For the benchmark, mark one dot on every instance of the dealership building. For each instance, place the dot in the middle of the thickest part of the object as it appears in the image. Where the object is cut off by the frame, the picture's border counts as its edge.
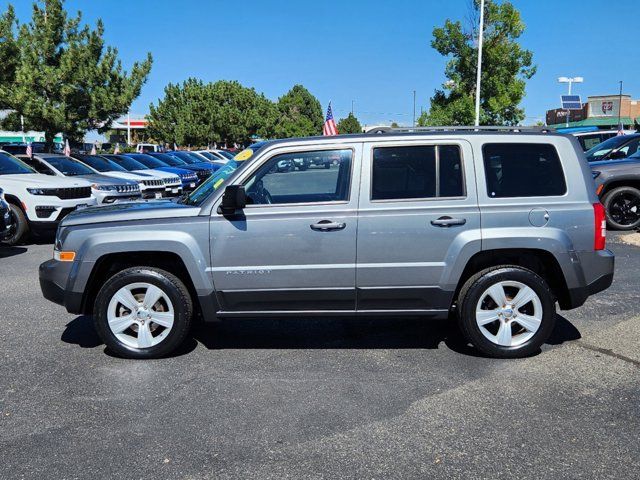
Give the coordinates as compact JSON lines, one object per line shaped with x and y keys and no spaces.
{"x":599,"y":111}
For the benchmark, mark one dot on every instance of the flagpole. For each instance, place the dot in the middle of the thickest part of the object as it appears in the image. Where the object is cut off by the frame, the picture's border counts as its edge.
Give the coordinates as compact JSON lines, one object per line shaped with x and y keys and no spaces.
{"x":480,"y":35}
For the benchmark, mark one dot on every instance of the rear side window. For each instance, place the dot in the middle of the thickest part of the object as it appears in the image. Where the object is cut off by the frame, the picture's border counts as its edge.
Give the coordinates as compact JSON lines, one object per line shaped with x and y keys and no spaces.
{"x":401,"y":173}
{"x":523,"y":170}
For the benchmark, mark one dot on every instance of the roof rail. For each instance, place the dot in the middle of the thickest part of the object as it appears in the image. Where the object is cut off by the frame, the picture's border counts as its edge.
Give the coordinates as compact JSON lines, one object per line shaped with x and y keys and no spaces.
{"x":483,"y":128}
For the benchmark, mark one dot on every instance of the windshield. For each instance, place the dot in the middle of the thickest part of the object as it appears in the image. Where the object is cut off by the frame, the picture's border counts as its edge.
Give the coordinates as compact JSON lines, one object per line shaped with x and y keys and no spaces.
{"x":169,"y":159}
{"x":68,"y":166}
{"x":209,"y":155}
{"x":10,"y":165}
{"x":185,"y":157}
{"x":126,"y":162}
{"x":229,"y":155}
{"x":602,"y":149}
{"x":147,"y":160}
{"x":219,"y":178}
{"x":101,"y":164}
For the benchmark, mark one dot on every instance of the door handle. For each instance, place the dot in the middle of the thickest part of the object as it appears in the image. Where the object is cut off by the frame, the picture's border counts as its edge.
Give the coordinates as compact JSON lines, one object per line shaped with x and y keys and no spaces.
{"x":327,"y":225}
{"x":448,"y":222}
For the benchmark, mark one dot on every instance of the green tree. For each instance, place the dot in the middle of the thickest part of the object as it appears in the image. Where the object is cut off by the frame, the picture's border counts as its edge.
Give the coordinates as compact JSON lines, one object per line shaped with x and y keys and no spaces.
{"x":350,"y":124}
{"x":64,"y":79}
{"x":196,"y":113}
{"x":300,"y":114}
{"x":505,"y":69}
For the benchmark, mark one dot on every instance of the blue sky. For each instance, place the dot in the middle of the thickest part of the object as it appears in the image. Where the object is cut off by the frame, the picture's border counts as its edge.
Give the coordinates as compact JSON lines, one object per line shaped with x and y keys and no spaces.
{"x":372,"y":52}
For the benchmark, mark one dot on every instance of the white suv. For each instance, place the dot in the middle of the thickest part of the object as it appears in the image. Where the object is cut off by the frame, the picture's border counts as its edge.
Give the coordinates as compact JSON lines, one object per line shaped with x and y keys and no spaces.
{"x":38,"y":202}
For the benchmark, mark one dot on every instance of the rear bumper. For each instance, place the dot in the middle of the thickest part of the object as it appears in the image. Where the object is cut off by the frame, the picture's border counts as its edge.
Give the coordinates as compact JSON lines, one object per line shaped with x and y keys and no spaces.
{"x":598,"y":268}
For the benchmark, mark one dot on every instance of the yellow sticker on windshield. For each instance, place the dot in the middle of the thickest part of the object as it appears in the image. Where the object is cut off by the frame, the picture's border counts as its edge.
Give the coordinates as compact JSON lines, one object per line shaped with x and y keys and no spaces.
{"x":244,"y":155}
{"x":218,"y":183}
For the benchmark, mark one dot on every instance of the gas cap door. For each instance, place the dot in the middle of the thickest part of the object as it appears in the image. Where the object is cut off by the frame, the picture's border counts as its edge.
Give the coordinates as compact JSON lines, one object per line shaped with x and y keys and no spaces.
{"x":538,"y":217}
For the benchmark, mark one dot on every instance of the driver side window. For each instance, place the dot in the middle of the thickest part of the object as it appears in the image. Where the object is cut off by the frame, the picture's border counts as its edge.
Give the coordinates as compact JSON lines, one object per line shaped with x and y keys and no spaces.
{"x":302,"y":177}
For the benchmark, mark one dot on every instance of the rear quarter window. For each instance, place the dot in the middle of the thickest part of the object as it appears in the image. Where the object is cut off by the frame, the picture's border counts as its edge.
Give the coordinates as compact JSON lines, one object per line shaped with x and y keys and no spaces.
{"x":523,"y":170}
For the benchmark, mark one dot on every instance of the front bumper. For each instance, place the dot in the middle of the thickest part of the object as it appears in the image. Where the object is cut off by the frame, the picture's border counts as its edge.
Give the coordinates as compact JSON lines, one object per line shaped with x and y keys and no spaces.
{"x":53,"y":282}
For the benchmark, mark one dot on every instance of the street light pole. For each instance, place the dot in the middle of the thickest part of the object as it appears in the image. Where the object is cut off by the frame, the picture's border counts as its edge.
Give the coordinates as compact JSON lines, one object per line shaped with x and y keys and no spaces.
{"x":620,"y":126}
{"x":414,"y":108}
{"x":570,"y":81}
{"x":479,"y":73}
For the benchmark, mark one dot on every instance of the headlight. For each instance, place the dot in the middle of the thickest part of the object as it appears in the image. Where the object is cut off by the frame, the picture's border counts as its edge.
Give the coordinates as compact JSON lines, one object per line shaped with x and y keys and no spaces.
{"x":39,"y":191}
{"x":104,"y":188}
{"x":595,"y":173}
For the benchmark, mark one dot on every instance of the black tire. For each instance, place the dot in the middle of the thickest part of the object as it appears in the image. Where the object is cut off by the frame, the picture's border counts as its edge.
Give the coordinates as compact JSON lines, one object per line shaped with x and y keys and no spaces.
{"x":470,"y":295}
{"x":619,"y":204}
{"x":171,"y":285}
{"x":20,"y":229}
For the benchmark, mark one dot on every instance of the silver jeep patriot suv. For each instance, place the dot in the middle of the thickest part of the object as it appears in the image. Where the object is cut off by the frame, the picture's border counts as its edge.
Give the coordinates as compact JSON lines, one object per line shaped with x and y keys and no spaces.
{"x":490,"y":227}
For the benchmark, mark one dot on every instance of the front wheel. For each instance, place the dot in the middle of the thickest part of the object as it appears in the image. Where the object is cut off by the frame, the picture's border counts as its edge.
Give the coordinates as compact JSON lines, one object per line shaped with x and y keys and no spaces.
{"x":143,"y":312}
{"x":622,"y":206}
{"x":506,"y":312}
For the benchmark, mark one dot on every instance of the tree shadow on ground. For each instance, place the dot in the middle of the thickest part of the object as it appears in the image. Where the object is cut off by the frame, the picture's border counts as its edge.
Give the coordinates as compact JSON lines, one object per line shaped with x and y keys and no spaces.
{"x":320,"y":333}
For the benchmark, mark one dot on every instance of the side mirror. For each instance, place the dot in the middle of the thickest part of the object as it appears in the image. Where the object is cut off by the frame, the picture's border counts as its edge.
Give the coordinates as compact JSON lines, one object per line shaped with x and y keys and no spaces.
{"x":618,"y":154}
{"x":233,"y":199}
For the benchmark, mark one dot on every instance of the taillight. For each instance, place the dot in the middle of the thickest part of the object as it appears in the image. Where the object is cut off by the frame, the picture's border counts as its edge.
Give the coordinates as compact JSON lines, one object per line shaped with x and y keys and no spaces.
{"x":600,"y":223}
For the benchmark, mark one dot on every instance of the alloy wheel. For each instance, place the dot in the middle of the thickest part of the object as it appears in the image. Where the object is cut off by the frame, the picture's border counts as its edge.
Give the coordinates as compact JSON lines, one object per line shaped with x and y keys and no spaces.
{"x":140,"y":315}
{"x":509,"y":313}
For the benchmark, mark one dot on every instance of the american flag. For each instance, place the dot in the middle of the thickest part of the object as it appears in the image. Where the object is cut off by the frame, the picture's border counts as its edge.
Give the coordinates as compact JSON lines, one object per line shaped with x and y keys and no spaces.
{"x":329,"y":128}
{"x":67,"y":148}
{"x":620,"y":129}
{"x":29,"y":151}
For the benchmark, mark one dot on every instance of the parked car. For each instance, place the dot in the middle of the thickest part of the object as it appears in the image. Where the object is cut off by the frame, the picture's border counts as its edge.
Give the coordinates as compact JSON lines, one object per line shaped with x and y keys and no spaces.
{"x":6,"y":222}
{"x":589,"y":137}
{"x":172,"y":182}
{"x":614,"y":148}
{"x":106,"y":190}
{"x":253,"y":242}
{"x":38,"y":202}
{"x":618,"y":186}
{"x":148,"y":147}
{"x":188,"y":178}
{"x":150,"y":187}
{"x":217,"y":154}
{"x":202,"y":169}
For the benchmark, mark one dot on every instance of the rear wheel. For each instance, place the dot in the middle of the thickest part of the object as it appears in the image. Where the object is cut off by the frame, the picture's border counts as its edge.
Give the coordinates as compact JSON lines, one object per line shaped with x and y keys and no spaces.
{"x":622,"y":206}
{"x":20,"y":226}
{"x":506,"y":312}
{"x":143,"y":312}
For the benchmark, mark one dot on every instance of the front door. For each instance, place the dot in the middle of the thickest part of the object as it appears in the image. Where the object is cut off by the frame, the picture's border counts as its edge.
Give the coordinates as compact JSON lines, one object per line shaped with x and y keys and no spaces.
{"x":419,"y":222}
{"x":293,"y":248}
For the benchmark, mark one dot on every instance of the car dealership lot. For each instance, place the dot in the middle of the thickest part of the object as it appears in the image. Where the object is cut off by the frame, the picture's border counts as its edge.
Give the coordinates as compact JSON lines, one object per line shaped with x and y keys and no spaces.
{"x":320,"y":398}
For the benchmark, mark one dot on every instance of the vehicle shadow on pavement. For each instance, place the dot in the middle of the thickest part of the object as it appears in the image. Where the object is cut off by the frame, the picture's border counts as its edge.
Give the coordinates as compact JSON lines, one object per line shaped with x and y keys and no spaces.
{"x":7,"y":251}
{"x":319,"y":333}
{"x":350,"y":333}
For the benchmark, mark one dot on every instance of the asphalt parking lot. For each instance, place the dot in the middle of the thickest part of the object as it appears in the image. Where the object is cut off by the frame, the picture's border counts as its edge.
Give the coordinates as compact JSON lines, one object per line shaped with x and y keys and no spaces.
{"x":320,"y":398}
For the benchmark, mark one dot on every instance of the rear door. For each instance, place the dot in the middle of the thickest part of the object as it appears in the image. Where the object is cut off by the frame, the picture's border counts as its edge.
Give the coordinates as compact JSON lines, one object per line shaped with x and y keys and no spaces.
{"x":418,"y":219}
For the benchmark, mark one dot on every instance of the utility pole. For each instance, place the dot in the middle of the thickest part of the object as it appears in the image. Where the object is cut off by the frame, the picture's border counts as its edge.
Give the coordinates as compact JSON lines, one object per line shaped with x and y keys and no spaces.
{"x":414,"y":108}
{"x":479,"y":73}
{"x":352,"y":103}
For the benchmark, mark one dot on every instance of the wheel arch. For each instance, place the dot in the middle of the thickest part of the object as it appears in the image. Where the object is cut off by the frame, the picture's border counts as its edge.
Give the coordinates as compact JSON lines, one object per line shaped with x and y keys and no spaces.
{"x":109,"y":264}
{"x":541,"y":262}
{"x":620,"y":182}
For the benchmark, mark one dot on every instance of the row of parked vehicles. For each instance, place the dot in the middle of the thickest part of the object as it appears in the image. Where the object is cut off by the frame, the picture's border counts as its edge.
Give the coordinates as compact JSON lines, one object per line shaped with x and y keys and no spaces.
{"x":40,"y":189}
